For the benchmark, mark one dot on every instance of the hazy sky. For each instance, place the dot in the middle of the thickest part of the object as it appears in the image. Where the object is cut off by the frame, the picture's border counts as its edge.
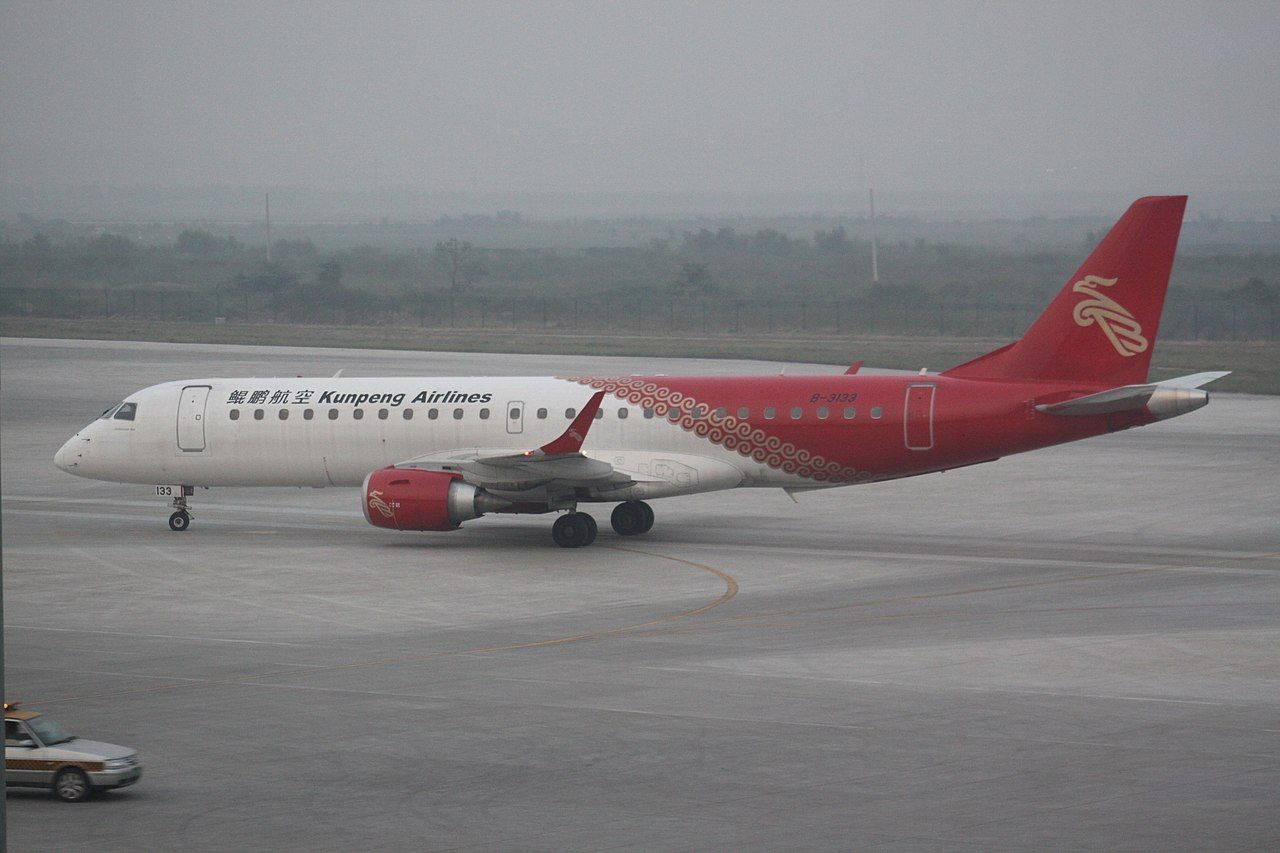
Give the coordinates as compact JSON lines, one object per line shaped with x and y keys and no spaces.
{"x":622,"y":97}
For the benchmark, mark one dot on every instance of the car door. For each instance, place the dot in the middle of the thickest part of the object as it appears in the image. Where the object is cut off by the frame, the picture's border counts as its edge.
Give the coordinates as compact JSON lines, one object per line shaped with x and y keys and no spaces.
{"x":25,"y":759}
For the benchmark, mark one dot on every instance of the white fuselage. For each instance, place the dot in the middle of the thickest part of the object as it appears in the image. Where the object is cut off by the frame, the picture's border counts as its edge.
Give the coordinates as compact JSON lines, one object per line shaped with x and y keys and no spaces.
{"x":333,"y":432}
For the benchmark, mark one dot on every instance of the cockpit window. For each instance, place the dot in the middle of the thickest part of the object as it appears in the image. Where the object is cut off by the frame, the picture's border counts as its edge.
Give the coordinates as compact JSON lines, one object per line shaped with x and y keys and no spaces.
{"x":126,"y":412}
{"x":106,"y":416}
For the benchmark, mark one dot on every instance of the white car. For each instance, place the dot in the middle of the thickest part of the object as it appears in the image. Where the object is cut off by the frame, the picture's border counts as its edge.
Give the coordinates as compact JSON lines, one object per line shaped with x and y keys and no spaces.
{"x":39,"y":753}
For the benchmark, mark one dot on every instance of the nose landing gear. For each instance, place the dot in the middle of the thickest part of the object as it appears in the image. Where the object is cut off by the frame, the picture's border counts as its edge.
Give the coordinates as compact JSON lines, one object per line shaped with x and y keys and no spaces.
{"x":181,"y":518}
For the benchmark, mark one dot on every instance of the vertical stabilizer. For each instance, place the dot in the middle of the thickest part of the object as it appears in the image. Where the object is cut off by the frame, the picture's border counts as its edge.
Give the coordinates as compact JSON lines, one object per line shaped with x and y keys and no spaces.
{"x":1102,"y":326}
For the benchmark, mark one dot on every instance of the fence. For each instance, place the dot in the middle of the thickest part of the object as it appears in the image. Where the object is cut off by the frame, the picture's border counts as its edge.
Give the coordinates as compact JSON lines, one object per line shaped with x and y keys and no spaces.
{"x":1184,"y":318}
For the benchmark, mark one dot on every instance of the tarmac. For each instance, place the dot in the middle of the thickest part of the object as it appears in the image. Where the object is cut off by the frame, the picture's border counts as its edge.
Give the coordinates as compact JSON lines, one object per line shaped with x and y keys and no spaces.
{"x":1073,"y":649}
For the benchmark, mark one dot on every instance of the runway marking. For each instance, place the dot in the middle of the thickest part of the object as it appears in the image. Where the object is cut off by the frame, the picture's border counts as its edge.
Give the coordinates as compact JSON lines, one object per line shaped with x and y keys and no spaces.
{"x":1137,"y":569}
{"x":730,"y":590}
{"x":204,"y":522}
{"x":944,"y":688}
{"x":188,"y":637}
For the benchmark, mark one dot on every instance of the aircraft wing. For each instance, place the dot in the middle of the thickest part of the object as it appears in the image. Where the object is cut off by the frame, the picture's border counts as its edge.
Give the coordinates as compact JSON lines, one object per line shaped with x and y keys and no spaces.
{"x":558,"y":463}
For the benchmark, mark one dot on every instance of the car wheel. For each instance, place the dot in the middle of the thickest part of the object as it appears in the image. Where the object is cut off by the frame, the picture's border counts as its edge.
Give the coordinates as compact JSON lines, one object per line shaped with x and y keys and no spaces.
{"x":71,"y":785}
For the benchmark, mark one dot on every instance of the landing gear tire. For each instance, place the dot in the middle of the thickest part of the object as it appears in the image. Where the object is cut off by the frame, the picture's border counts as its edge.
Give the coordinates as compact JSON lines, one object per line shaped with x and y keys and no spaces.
{"x":631,"y":518}
{"x":180,"y":520}
{"x":648,"y":517}
{"x":574,"y":530}
{"x":72,"y":786}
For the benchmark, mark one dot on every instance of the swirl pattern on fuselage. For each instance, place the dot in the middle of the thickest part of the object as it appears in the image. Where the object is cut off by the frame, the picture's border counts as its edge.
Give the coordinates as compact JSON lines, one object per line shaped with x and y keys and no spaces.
{"x":727,"y":431}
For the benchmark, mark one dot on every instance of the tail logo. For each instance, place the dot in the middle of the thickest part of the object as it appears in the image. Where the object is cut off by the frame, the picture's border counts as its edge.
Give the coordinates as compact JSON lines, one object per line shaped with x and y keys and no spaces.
{"x":1120,"y":327}
{"x":376,"y":502}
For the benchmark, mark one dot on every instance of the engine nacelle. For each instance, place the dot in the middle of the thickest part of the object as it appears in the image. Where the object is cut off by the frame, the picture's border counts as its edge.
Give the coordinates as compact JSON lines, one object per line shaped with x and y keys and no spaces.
{"x":409,"y":499}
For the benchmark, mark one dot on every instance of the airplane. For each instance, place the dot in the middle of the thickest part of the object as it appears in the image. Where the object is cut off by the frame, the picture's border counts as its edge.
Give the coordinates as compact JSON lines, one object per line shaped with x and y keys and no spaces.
{"x":430,"y":454}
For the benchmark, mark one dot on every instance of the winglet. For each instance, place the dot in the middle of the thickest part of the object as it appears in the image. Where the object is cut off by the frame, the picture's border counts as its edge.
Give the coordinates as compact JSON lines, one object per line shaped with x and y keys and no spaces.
{"x":571,"y":440}
{"x":854,"y":368}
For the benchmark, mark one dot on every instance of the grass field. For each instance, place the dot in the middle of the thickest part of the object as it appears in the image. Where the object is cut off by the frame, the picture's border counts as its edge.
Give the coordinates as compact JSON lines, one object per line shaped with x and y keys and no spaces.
{"x":1255,"y":366}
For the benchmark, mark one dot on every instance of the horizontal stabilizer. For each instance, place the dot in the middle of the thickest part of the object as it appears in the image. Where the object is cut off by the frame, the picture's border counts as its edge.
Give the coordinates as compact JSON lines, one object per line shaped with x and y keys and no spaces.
{"x":1162,"y":399}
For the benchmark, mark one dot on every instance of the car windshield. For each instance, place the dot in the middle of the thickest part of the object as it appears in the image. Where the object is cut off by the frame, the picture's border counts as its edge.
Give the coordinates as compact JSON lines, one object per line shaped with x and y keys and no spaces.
{"x":48,"y":731}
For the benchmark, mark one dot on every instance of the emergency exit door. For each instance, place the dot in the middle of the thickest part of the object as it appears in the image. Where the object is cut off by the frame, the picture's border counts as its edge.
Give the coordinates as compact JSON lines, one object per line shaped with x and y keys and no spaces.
{"x":917,"y":421}
{"x":191,"y":418}
{"x":515,"y":417}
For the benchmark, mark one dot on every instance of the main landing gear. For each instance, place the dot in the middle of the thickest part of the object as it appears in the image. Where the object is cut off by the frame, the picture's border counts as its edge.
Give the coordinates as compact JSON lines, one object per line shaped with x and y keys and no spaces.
{"x":632,"y":518}
{"x":576,"y":529}
{"x":181,"y":518}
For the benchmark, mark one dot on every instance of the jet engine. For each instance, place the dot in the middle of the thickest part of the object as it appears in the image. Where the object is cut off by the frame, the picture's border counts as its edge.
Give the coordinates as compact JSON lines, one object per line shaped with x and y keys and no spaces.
{"x":409,"y":499}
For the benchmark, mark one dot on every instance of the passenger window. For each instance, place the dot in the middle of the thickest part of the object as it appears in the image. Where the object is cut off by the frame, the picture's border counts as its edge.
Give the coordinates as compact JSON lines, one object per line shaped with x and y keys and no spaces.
{"x":720,"y":413}
{"x":542,"y":414}
{"x":408,"y":414}
{"x":744,"y":413}
{"x":126,"y":412}
{"x":877,"y":412}
{"x":599,"y":414}
{"x":673,"y":414}
{"x":257,"y":414}
{"x":484,"y":414}
{"x":622,"y":413}
{"x":648,"y":414}
{"x":823,"y":412}
{"x":850,"y":413}
{"x":333,"y":414}
{"x":358,"y":414}
{"x":569,"y":413}
{"x":514,"y":414}
{"x":308,"y":414}
{"x":796,"y":412}
{"x":432,"y":414}
{"x":769,"y":413}
{"x":457,"y":414}
{"x":382,"y":414}
{"x":699,"y":412}
{"x":235,"y":414}
{"x":284,"y":414}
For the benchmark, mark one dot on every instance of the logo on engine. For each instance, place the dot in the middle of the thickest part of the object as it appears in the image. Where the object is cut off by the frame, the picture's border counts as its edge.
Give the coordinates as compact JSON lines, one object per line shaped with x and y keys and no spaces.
{"x":376,"y":502}
{"x":1120,"y":327}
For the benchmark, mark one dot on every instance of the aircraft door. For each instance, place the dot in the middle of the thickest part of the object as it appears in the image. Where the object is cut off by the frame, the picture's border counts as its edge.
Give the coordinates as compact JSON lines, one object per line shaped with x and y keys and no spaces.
{"x":515,"y":417}
{"x":917,"y":420}
{"x":191,"y":418}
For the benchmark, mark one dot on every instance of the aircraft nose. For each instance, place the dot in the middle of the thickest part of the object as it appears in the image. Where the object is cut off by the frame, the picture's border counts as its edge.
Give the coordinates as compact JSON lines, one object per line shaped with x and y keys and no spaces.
{"x":65,"y":458}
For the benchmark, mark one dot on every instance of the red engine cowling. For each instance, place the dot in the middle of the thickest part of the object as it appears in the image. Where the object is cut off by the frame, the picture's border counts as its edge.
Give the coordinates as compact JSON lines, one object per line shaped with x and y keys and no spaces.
{"x":408,"y":499}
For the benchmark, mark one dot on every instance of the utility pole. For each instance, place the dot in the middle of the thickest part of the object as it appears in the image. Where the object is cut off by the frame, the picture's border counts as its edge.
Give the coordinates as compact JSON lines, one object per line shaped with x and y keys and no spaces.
{"x":875,"y":268}
{"x":268,"y":227}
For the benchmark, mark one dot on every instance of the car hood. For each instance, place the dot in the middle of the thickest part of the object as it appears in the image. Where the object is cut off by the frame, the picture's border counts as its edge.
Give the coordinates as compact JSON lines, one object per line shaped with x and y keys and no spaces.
{"x":88,"y":750}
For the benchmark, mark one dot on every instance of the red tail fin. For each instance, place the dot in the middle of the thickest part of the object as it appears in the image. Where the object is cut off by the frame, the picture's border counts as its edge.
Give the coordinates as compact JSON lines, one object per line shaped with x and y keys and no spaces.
{"x":1102,"y":326}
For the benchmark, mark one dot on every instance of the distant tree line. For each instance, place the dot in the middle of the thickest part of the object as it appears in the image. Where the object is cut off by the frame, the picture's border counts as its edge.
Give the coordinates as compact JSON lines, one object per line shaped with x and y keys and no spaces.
{"x":715,"y":263}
